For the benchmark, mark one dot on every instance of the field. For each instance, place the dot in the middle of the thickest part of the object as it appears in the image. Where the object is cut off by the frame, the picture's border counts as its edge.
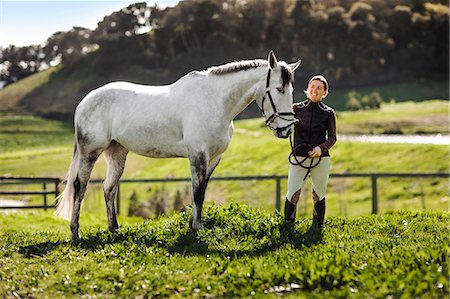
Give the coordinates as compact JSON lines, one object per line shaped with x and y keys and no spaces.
{"x":428,"y":117}
{"x":242,"y":252}
{"x":34,"y":147}
{"x":246,"y":250}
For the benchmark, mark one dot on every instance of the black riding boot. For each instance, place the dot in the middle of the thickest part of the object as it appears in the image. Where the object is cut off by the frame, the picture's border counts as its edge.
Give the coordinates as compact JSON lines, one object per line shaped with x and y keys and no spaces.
{"x":289,"y":211}
{"x":319,"y":210}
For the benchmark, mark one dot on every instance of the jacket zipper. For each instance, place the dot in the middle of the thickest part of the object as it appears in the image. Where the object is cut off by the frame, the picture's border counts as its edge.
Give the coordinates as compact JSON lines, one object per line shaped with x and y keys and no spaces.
{"x":310,"y":125}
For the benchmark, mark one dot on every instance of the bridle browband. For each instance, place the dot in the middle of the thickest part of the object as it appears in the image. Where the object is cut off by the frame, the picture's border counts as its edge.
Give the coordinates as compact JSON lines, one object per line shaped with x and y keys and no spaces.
{"x":275,"y":113}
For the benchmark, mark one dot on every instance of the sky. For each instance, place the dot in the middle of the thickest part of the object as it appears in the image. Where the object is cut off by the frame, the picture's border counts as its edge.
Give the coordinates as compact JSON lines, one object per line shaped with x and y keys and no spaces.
{"x":23,"y":23}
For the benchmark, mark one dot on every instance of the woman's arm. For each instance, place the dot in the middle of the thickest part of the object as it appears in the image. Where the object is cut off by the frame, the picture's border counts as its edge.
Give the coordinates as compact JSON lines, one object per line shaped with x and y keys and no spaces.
{"x":331,"y":140}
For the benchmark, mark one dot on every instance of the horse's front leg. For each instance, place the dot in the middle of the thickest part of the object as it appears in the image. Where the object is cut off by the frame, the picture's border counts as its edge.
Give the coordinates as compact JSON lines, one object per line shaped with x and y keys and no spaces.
{"x":201,"y":170}
{"x":199,"y":167}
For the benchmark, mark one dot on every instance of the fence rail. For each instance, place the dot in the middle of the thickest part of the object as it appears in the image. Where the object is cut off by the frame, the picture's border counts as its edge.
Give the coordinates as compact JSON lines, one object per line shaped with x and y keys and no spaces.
{"x":276,"y":178}
{"x":21,"y":181}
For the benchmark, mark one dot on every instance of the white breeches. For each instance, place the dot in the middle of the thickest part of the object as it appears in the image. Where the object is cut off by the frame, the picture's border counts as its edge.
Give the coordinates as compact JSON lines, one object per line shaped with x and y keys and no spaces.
{"x":319,"y":175}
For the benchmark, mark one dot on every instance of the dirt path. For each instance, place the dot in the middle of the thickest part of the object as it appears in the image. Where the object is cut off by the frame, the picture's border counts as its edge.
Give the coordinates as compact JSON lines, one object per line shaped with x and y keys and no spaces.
{"x":11,"y":203}
{"x":414,"y":139}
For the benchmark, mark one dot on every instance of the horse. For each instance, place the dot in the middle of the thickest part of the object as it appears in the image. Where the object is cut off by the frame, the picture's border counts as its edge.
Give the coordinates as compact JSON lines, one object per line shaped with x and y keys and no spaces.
{"x":190,"y":118}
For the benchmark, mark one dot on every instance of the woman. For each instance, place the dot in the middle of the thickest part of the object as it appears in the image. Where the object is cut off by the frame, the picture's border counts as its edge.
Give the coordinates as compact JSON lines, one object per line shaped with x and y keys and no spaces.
{"x":314,"y":135}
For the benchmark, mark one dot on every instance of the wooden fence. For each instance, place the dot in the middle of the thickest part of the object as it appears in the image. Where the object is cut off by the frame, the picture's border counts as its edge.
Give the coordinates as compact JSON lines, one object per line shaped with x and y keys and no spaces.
{"x":43,"y":182}
{"x":55,"y":182}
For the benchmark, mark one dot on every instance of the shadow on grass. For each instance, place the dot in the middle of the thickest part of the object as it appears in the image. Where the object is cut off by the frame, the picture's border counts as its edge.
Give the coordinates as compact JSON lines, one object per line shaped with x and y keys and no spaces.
{"x":40,"y":249}
{"x":289,"y":234}
{"x":186,"y":242}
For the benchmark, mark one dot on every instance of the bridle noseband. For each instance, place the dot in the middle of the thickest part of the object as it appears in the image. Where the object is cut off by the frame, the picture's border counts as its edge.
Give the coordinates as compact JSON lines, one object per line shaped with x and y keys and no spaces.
{"x":275,"y":113}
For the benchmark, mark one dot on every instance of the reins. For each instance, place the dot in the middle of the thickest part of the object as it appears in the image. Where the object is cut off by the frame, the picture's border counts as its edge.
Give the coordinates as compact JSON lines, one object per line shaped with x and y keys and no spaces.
{"x":282,"y":115}
{"x":275,"y":113}
{"x":300,"y":163}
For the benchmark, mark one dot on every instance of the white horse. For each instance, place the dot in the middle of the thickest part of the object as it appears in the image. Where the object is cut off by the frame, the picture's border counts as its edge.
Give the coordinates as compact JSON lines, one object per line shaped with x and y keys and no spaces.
{"x":191,"y":118}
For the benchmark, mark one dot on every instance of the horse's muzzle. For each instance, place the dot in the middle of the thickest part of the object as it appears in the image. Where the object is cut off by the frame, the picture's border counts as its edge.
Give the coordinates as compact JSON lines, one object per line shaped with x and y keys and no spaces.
{"x":284,"y":133}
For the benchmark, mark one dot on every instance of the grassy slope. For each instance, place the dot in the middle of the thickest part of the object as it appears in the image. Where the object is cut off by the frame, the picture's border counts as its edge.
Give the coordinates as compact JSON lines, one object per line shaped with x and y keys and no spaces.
{"x":12,"y":94}
{"x":242,"y":252}
{"x":253,"y":151}
{"x":59,"y":89}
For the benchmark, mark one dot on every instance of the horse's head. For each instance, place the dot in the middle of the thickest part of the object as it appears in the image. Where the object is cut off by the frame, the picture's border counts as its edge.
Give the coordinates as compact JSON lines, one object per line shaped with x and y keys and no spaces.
{"x":276,"y":103}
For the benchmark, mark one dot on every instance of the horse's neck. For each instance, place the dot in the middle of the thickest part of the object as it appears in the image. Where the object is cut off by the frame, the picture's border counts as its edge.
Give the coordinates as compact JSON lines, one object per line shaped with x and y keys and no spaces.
{"x":240,"y":89}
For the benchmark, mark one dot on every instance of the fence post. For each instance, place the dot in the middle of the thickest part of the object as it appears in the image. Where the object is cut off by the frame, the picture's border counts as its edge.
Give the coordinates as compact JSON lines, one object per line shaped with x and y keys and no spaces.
{"x":57,"y":188}
{"x":44,"y":185}
{"x":118,"y":199}
{"x":278,"y":194}
{"x":374,"y":194}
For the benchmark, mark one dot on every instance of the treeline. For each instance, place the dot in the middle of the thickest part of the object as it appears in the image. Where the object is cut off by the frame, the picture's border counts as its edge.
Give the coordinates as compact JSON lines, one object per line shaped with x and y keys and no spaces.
{"x":68,"y":47}
{"x":349,"y":41}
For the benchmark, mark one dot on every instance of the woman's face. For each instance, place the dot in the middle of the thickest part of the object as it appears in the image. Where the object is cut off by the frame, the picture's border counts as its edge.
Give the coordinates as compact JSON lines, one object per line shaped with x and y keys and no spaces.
{"x":316,"y":90}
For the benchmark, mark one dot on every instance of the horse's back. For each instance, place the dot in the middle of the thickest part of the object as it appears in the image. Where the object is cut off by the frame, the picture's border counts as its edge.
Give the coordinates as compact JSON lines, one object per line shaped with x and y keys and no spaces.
{"x":154,"y":121}
{"x":118,"y":97}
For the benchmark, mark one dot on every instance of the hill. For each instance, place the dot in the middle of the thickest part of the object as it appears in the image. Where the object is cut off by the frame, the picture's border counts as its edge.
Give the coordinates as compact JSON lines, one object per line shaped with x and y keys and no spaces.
{"x":242,"y":252}
{"x":355,"y":44}
{"x":56,"y":92}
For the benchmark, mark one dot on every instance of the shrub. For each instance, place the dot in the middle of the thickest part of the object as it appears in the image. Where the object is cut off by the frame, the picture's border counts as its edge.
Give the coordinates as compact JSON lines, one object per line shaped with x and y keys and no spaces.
{"x":356,"y":101}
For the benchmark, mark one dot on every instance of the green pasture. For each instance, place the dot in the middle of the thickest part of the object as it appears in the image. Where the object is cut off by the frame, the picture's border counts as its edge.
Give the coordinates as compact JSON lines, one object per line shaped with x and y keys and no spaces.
{"x":428,"y":117}
{"x":35,"y":147}
{"x":245,"y":250}
{"x":12,"y":95}
{"x":242,"y":252}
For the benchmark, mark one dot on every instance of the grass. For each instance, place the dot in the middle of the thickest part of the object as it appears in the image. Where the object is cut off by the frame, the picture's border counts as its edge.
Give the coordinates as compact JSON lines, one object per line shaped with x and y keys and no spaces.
{"x":245,"y":250}
{"x":242,"y":252}
{"x":35,"y":147}
{"x":406,"y":117}
{"x":21,"y":132}
{"x":12,"y":95}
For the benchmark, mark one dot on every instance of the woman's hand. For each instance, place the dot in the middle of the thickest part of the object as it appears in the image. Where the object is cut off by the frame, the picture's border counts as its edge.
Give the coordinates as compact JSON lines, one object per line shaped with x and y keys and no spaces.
{"x":315,"y":152}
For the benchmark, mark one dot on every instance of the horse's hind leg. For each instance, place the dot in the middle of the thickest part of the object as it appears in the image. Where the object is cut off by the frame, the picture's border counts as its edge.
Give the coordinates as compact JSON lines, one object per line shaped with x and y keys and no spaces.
{"x":115,"y":156}
{"x":80,"y":184}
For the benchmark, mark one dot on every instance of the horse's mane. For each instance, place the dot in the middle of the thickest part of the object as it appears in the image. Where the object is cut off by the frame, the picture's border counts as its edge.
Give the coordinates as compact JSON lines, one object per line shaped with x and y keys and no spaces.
{"x":236,"y":66}
{"x":232,"y":67}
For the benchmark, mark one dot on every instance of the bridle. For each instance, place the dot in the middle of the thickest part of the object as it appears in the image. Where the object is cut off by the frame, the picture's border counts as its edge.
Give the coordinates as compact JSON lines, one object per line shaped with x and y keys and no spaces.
{"x":275,"y":113}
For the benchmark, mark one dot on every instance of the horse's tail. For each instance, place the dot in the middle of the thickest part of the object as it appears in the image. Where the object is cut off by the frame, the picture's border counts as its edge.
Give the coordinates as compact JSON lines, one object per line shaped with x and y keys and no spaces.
{"x":65,"y":201}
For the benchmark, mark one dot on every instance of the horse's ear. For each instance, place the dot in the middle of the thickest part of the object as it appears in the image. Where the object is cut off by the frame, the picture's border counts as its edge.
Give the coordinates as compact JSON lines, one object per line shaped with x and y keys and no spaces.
{"x":295,"y":65}
{"x":272,"y":60}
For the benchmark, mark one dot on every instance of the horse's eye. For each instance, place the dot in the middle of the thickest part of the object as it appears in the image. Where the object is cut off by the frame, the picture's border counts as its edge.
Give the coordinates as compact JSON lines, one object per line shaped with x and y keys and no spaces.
{"x":280,"y":89}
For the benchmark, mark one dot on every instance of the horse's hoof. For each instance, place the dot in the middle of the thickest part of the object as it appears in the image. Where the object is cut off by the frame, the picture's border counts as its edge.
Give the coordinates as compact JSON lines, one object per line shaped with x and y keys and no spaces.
{"x":75,"y":237}
{"x":196,"y":228}
{"x":114,"y":230}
